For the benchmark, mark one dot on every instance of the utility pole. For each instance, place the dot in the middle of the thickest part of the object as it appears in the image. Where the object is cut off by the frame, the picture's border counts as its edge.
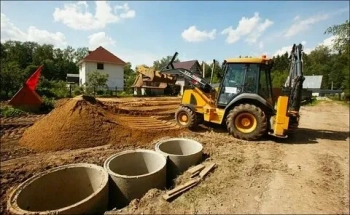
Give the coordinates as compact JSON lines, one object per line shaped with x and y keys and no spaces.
{"x":203,"y":69}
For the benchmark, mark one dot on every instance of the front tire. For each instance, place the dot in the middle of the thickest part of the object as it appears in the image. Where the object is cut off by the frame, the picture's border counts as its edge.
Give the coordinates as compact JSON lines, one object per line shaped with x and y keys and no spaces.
{"x":186,"y":118}
{"x":246,"y":122}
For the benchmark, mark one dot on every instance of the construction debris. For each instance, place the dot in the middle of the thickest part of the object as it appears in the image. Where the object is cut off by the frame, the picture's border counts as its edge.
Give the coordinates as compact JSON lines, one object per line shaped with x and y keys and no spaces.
{"x":200,"y":170}
{"x":205,"y":171}
{"x":181,"y":188}
{"x":196,"y":169}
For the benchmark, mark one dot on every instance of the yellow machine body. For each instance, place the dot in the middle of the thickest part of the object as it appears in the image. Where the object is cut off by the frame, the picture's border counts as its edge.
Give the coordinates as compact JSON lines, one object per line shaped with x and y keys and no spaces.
{"x":205,"y":104}
{"x":249,"y":106}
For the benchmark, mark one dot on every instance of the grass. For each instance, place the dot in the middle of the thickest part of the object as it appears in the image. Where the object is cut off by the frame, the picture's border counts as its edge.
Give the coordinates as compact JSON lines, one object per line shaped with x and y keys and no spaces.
{"x":346,"y":103}
{"x":313,"y":102}
{"x":8,"y":111}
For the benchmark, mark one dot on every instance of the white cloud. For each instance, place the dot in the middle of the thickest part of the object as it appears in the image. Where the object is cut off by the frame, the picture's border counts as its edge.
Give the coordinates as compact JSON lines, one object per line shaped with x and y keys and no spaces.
{"x":296,"y":18}
{"x":301,"y":25}
{"x":10,"y":32}
{"x":127,"y":13}
{"x":192,"y":34}
{"x":77,"y":15}
{"x":251,"y":28}
{"x":261,"y":45}
{"x":100,"y":39}
{"x":283,"y":50}
{"x":138,"y":57}
{"x":328,"y":42}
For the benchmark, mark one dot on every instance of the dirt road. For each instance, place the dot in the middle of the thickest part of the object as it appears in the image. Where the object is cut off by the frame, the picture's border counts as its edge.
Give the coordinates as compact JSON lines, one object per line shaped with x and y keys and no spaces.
{"x":305,"y":174}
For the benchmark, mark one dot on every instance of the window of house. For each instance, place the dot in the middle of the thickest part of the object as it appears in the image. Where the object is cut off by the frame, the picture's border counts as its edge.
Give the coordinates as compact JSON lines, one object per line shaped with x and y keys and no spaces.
{"x":100,"y":66}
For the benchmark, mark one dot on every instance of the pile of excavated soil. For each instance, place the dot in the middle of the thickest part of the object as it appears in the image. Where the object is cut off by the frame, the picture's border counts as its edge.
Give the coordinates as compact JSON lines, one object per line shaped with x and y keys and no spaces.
{"x":77,"y":123}
{"x":84,"y":122}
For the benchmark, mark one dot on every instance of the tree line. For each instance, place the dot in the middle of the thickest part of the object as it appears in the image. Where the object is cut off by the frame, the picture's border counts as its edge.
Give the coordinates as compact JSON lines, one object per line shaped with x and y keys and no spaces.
{"x":20,"y":59}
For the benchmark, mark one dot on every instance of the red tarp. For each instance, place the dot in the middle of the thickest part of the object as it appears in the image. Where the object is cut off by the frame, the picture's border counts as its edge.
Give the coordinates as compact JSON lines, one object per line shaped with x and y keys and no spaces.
{"x":26,"y":97}
{"x":33,"y":81}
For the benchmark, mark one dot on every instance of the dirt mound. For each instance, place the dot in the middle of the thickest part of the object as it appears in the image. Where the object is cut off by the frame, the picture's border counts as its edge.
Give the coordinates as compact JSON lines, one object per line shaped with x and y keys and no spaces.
{"x":84,"y":122}
{"x":77,"y":123}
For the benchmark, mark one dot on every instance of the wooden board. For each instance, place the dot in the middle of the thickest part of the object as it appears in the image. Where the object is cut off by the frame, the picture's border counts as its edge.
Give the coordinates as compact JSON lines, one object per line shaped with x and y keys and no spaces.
{"x":194,"y":169}
{"x":206,"y":170}
{"x":181,"y":188}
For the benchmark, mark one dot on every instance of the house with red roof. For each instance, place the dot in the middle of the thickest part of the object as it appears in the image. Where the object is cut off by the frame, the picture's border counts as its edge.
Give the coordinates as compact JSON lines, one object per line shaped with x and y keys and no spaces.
{"x":105,"y":62}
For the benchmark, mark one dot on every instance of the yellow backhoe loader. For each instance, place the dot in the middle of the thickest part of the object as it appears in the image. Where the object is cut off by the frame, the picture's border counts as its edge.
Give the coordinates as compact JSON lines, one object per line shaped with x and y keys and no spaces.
{"x":243,"y":102}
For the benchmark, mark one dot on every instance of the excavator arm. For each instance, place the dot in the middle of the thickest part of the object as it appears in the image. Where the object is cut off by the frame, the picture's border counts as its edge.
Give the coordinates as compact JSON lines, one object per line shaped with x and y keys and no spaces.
{"x":194,"y":79}
{"x":295,"y":79}
{"x":287,"y":114}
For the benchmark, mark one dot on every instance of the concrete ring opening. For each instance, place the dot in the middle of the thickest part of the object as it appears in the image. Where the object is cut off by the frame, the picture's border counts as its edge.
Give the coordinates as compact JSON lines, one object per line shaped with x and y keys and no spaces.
{"x":71,"y":189}
{"x":133,"y":174}
{"x":182,"y":153}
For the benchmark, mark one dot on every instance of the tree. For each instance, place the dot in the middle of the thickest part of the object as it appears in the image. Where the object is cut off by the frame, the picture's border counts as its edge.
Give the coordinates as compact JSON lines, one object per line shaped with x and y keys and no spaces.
{"x":96,"y":79}
{"x":11,"y":77}
{"x":129,"y":76}
{"x":340,"y":71}
{"x":20,"y":59}
{"x":160,"y":64}
{"x":217,"y":70}
{"x":341,"y":36}
{"x":81,"y":53}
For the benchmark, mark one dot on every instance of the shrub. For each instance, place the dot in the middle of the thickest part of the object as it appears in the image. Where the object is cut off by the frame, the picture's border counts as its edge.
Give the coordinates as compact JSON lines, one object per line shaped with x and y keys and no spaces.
{"x":48,"y":104}
{"x":78,"y":91}
{"x":8,"y":111}
{"x":100,"y":92}
{"x":59,"y":89}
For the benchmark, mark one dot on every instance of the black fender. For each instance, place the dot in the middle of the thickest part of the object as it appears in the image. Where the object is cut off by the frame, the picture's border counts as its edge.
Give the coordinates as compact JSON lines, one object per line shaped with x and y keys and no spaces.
{"x":250,"y":98}
{"x":190,"y":106}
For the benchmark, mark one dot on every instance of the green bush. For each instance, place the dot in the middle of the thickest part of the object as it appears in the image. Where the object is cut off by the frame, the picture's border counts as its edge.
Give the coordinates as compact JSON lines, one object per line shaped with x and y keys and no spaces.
{"x":8,"y":111}
{"x":53,"y":89}
{"x":100,"y":92}
{"x":78,"y":91}
{"x":48,"y":104}
{"x":59,"y":89}
{"x":124,"y":94}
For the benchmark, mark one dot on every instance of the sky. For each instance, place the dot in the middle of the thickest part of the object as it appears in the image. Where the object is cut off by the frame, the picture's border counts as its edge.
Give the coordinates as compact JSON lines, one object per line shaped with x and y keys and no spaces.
{"x":145,"y":31}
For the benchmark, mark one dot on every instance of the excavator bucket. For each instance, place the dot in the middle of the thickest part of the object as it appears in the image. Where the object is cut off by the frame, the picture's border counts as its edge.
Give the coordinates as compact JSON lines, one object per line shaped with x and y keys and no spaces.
{"x":155,"y":76}
{"x":148,"y":74}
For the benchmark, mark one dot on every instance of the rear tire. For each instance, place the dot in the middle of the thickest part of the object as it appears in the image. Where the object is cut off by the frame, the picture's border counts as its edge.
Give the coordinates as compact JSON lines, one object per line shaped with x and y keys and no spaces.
{"x":186,"y":118}
{"x":246,"y":122}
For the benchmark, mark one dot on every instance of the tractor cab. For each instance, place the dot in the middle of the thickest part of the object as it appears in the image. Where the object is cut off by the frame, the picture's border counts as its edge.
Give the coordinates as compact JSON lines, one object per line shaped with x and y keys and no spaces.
{"x":245,"y":75}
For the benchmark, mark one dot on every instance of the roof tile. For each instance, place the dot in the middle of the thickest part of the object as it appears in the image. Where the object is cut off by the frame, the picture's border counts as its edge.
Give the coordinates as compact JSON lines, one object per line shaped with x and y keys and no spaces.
{"x":102,"y":55}
{"x":185,"y":64}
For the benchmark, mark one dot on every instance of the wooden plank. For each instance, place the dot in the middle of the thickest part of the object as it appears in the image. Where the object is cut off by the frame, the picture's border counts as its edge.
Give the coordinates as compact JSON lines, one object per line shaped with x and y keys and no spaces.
{"x":180,"y":189}
{"x":194,"y":169}
{"x":167,"y":197}
{"x":206,"y":170}
{"x":195,"y":174}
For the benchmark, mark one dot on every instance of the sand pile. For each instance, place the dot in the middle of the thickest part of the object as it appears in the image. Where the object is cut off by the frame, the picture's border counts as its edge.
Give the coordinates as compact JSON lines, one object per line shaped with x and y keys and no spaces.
{"x":77,"y":123}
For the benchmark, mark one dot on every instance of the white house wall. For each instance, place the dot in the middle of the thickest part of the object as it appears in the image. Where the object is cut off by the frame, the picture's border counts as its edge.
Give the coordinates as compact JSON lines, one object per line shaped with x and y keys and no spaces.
{"x":82,"y":75}
{"x":115,"y":74}
{"x":182,"y":82}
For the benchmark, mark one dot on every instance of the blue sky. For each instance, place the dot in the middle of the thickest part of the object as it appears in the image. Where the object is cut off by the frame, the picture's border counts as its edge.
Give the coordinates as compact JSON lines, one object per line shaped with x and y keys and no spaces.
{"x":141,"y":32}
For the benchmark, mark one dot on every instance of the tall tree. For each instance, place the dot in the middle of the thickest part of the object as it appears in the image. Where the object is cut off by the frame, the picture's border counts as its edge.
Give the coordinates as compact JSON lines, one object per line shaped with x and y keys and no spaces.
{"x":129,"y":76}
{"x":80,"y":53}
{"x":160,"y":64}
{"x":341,"y":33}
